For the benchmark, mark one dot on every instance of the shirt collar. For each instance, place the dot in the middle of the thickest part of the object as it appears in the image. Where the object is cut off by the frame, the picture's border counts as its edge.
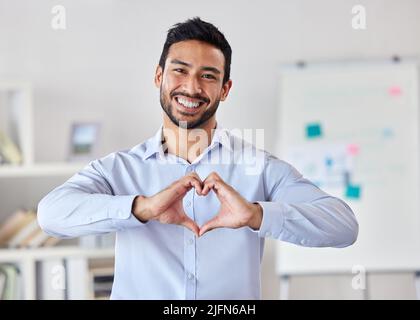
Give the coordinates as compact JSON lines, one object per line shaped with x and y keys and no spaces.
{"x":154,"y":144}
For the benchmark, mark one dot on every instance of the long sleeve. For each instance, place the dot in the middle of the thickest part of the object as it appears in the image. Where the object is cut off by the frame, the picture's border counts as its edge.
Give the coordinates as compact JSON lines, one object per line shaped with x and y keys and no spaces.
{"x":85,"y":204}
{"x":297,"y":211}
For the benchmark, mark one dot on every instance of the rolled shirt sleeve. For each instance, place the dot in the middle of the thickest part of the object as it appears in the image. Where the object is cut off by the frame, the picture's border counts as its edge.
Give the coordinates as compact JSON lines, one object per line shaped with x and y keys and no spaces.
{"x":299,"y":212}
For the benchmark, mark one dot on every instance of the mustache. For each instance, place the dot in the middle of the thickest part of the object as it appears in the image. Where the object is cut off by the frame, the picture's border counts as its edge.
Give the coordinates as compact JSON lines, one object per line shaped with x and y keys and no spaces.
{"x":195,"y":96}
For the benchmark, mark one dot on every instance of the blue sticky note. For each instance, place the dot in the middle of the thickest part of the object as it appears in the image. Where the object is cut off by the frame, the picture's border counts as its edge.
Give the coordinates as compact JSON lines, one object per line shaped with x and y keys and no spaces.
{"x":328,"y":162}
{"x":353,"y":191}
{"x":387,"y":133}
{"x":313,"y":130}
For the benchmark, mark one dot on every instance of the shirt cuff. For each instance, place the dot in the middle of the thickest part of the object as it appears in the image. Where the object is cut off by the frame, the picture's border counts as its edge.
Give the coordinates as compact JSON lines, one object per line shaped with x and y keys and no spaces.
{"x":120,"y":212}
{"x":272,"y":220}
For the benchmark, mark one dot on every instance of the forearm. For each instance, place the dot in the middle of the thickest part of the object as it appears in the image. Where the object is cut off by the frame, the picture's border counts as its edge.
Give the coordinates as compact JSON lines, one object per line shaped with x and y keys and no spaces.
{"x":325,"y":222}
{"x":70,"y":212}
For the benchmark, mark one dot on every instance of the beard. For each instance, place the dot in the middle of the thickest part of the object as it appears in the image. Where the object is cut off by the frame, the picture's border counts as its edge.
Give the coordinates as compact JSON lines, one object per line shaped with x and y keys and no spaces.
{"x":187,"y":124}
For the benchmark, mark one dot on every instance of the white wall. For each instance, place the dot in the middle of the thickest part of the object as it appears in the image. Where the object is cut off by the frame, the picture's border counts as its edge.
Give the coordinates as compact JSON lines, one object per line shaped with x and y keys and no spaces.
{"x":102,"y":66}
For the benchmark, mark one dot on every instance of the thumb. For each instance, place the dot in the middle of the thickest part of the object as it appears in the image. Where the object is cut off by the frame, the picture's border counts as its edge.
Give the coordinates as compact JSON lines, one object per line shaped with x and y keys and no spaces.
{"x":210,"y":225}
{"x":190,"y":224}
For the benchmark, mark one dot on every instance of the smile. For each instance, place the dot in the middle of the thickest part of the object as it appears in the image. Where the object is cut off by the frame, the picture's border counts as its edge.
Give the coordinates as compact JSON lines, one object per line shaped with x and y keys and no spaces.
{"x":188,"y":105}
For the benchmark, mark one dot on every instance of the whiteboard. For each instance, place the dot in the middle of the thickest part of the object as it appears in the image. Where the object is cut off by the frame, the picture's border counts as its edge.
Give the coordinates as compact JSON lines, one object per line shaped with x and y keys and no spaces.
{"x":352,"y":128}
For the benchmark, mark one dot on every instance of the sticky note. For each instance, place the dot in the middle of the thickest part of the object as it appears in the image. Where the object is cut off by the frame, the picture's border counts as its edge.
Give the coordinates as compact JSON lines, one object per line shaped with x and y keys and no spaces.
{"x":353,"y":191}
{"x":387,"y":133}
{"x":394,"y":91}
{"x":313,"y":130}
{"x":328,"y":162}
{"x":353,"y":149}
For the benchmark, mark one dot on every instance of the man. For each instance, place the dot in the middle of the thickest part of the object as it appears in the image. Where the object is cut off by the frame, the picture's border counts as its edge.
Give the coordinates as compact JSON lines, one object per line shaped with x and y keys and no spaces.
{"x":191,"y":216}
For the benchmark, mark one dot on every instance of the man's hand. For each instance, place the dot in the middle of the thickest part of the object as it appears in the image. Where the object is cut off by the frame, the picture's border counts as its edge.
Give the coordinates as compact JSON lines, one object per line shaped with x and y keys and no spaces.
{"x":166,"y":206}
{"x":235,"y":211}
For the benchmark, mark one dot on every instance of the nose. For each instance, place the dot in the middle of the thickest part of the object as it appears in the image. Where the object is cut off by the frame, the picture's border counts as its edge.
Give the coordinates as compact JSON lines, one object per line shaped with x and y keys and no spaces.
{"x":192,"y":86}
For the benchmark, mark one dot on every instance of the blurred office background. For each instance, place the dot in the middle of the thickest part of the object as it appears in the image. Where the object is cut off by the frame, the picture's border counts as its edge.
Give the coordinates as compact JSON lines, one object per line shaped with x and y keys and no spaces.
{"x":100,"y":70}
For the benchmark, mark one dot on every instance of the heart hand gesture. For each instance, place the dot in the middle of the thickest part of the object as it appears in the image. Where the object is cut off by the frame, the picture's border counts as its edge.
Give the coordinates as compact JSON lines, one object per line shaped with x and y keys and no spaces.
{"x":166,"y":206}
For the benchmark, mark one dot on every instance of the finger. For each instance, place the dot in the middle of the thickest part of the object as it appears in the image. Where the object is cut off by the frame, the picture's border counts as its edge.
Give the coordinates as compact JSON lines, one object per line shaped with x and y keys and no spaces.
{"x":214,"y":177}
{"x":195,"y":174}
{"x":197,"y":185}
{"x":210,"y":225}
{"x":193,"y":180}
{"x":214,"y":184}
{"x":190,"y":224}
{"x":208,"y":185}
{"x":167,"y":196}
{"x":179,"y":190}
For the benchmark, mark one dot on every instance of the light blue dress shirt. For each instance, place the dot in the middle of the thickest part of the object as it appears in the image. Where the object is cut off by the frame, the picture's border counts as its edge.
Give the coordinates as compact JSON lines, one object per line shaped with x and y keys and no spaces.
{"x":162,"y":261}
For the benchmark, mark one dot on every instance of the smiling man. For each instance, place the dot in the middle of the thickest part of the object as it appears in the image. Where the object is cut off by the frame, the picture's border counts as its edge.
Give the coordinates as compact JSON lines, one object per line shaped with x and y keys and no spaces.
{"x":190,"y":217}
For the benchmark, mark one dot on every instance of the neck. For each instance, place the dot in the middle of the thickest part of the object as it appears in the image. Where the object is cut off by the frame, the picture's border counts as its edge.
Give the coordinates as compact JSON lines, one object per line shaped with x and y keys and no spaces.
{"x":187,"y":143}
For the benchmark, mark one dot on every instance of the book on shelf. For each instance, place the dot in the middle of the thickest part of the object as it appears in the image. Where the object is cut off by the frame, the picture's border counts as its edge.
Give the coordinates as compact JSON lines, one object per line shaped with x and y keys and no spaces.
{"x":10,"y":282}
{"x":12,"y":225}
{"x":3,"y":278}
{"x":21,"y":230}
{"x":25,"y":232}
{"x":101,"y":280}
{"x":9,"y":152}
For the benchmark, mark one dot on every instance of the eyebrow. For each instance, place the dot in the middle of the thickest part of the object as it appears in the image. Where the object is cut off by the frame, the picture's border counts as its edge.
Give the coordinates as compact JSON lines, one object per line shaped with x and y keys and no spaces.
{"x":212,"y":69}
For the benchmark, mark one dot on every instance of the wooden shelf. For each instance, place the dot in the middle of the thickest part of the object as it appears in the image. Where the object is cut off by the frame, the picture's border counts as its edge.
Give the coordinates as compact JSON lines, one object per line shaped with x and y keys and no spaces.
{"x":39,"y":170}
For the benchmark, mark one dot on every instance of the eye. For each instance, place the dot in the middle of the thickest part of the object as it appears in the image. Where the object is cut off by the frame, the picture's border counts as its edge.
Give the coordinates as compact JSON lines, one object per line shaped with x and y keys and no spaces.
{"x":208,"y":76}
{"x":179,"y":70}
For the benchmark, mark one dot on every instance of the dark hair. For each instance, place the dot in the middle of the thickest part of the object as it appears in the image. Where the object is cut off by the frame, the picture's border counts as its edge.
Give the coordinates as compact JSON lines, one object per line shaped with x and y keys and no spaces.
{"x":197,"y":29}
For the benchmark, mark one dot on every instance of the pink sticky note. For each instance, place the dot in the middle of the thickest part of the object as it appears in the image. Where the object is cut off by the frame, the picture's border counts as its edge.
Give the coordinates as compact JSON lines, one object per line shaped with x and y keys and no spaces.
{"x":394,"y":91}
{"x":353,"y":149}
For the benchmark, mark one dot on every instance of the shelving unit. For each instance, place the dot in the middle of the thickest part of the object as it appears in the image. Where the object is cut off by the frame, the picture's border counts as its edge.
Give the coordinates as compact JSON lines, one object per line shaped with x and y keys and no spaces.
{"x":42,"y":169}
{"x":26,"y":260}
{"x":40,"y":268}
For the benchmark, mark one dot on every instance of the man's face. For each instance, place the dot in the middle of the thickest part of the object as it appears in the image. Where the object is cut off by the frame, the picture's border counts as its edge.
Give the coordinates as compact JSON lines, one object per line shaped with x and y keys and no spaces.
{"x":191,"y":86}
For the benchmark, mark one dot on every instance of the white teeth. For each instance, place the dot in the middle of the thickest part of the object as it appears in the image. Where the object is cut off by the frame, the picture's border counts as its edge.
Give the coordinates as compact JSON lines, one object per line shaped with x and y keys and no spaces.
{"x":187,"y":103}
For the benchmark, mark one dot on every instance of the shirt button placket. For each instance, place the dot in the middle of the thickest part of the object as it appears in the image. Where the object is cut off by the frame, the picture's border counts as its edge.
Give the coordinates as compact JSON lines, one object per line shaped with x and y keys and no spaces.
{"x":189,"y":246}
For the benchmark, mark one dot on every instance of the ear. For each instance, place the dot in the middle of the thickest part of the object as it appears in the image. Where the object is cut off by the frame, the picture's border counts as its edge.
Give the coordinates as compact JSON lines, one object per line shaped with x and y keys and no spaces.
{"x":225,"y":90}
{"x":158,"y":76}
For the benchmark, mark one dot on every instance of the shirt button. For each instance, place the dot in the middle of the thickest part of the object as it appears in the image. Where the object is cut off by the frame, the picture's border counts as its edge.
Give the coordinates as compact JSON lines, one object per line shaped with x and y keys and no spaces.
{"x":191,"y":241}
{"x":190,"y":276}
{"x":268,"y":234}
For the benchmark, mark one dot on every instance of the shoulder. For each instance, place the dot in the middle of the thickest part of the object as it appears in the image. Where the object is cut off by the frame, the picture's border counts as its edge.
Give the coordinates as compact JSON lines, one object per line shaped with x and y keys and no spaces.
{"x":121,"y":159}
